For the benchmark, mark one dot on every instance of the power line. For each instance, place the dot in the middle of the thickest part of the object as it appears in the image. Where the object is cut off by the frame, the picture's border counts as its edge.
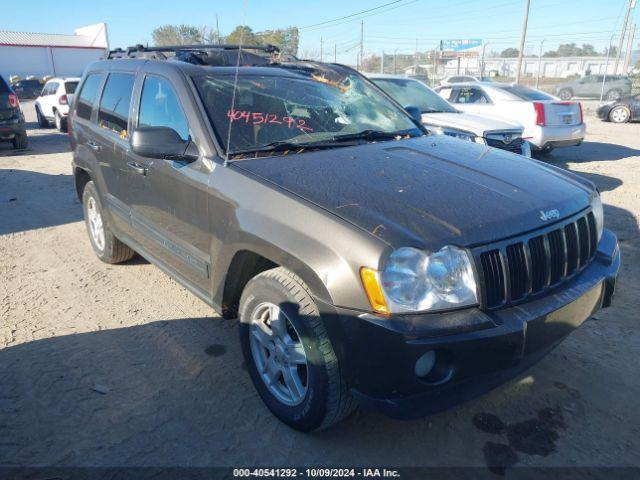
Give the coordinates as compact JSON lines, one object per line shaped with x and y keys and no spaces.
{"x":351,"y":15}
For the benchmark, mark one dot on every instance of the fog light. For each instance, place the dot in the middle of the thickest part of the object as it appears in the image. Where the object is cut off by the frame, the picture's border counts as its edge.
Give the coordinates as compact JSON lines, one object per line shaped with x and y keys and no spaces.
{"x":425,"y":364}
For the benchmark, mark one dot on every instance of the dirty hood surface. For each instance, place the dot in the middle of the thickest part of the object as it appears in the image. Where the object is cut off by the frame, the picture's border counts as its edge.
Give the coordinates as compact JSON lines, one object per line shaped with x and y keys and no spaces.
{"x":429,"y":191}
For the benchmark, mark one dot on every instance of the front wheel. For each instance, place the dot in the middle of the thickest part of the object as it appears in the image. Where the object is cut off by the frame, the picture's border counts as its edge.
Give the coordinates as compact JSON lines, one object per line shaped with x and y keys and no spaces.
{"x":288,"y":353}
{"x":42,"y":121}
{"x":61,"y":122}
{"x":105,"y":244}
{"x":20,"y":141}
{"x":565,"y":94}
{"x":619,"y":114}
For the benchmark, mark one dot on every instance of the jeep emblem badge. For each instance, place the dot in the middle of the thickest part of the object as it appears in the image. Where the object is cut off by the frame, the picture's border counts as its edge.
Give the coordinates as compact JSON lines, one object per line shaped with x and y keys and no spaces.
{"x":549,"y":214}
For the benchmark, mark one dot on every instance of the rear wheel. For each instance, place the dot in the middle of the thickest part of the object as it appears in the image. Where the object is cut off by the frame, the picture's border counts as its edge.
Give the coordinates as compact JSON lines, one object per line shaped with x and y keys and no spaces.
{"x":288,"y":353}
{"x":565,"y":94}
{"x":619,"y":114}
{"x":61,"y":122}
{"x":20,"y":141}
{"x":105,"y":244}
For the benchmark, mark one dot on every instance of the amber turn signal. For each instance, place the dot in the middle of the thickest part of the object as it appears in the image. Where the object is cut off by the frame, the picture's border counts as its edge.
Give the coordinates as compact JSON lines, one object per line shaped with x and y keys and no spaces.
{"x":371,"y":282}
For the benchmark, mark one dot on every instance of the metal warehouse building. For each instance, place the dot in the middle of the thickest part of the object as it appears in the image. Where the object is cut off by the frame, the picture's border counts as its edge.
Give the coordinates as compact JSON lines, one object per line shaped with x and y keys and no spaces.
{"x":41,"y":54}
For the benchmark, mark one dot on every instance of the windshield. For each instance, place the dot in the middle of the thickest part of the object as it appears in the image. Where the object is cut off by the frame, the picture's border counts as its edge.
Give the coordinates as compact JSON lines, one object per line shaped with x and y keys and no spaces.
{"x":526,"y":93}
{"x":308,"y":107}
{"x":410,"y":92}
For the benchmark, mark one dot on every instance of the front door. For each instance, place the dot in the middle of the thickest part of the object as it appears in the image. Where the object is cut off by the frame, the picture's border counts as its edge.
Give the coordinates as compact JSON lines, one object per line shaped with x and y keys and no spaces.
{"x":168,"y":197}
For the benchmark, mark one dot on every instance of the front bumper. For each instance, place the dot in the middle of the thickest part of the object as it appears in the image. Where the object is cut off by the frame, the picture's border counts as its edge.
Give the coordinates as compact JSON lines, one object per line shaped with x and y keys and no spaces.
{"x":475,"y":350}
{"x":556,"y":136}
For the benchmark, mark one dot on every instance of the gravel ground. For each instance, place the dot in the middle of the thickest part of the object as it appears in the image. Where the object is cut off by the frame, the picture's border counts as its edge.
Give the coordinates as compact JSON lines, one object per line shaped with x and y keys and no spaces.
{"x":106,"y":365}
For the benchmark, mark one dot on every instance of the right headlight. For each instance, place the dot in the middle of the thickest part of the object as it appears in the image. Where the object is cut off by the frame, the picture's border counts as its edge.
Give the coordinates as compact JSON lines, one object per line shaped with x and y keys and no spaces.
{"x":415,"y":281}
{"x":598,"y":214}
{"x":459,"y":134}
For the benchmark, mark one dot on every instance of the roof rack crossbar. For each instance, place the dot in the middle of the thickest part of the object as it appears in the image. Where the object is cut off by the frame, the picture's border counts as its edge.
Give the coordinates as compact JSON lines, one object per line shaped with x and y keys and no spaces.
{"x":118,"y":52}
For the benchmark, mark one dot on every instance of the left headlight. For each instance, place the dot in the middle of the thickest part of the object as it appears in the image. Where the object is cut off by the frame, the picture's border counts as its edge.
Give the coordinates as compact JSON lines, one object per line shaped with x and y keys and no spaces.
{"x":414,"y":281}
{"x":598,"y":214}
{"x":459,"y":134}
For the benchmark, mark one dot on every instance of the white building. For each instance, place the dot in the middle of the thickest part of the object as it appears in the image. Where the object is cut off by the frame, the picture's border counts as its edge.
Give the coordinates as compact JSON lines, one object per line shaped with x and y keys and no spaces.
{"x":40,"y":54}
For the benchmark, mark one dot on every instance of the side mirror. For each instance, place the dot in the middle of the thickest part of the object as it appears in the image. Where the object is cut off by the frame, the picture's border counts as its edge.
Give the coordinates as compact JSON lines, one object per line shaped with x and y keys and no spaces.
{"x":415,"y":113}
{"x":162,"y":142}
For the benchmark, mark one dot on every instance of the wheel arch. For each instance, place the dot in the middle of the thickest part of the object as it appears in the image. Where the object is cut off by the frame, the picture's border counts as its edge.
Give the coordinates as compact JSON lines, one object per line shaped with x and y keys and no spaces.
{"x":81,"y":178}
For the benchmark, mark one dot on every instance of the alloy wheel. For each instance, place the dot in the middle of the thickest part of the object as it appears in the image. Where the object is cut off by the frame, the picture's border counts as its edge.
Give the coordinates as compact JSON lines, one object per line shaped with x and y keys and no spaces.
{"x":96,"y":226}
{"x":278,"y":354}
{"x":619,"y":115}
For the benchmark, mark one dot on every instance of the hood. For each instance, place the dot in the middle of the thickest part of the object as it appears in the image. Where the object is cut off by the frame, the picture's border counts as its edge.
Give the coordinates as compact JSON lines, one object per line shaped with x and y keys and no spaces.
{"x":477,"y":124}
{"x":428,"y":192}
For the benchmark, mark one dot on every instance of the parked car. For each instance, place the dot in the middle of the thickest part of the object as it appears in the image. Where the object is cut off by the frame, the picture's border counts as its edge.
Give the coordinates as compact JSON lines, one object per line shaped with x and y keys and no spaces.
{"x":27,"y":88}
{"x":453,"y":79}
{"x":615,"y":87}
{"x":624,"y":110}
{"x":440,"y":117}
{"x":365,"y":260}
{"x":12,"y":125}
{"x":53,"y":103}
{"x":548,"y":123}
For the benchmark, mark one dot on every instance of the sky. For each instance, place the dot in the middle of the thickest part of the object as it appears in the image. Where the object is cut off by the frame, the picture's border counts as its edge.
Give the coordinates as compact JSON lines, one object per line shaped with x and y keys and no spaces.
{"x":394,"y":27}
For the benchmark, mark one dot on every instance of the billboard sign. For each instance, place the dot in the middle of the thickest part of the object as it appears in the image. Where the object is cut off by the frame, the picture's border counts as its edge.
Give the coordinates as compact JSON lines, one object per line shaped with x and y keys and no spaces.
{"x":459,"y":45}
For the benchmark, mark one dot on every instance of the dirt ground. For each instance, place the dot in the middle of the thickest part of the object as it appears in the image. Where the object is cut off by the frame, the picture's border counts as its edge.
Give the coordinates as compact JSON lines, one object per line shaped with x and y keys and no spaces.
{"x":106,"y":365}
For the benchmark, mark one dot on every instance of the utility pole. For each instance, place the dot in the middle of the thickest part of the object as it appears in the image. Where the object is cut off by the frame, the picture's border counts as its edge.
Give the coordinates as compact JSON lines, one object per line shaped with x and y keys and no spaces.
{"x":217,"y":30}
{"x":606,"y":67}
{"x":523,"y":37}
{"x":484,"y":46}
{"x":361,"y":43}
{"x":630,"y":5}
{"x":395,"y":52}
{"x":539,"y":63}
{"x":321,"y":55}
{"x":415,"y":59}
{"x":382,"y":63}
{"x":335,"y":53}
{"x":627,"y":56}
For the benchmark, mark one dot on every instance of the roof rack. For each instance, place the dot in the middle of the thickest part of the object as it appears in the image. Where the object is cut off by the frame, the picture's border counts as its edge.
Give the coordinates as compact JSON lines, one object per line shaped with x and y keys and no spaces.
{"x":140,"y":51}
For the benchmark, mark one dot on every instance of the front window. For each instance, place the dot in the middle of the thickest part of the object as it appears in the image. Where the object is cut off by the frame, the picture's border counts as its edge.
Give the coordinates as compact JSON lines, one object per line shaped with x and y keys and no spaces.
{"x":303,"y":107}
{"x":411,"y":92}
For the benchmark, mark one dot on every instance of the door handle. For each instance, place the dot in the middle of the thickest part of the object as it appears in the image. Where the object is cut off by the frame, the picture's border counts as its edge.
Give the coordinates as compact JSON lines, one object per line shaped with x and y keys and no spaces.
{"x":94,"y":146}
{"x":136,"y":167}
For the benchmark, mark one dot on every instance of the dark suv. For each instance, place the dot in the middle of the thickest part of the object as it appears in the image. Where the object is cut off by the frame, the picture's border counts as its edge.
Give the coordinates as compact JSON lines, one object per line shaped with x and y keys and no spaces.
{"x":366,"y":261}
{"x":12,"y":126}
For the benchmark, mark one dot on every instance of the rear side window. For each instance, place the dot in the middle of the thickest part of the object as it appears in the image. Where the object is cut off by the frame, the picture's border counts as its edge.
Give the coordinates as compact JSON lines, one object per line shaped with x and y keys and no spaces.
{"x":114,"y":106}
{"x":70,"y":87}
{"x":472,"y":95}
{"x":88,"y":95}
{"x":526,"y":93}
{"x":4,"y":88}
{"x":159,"y":107}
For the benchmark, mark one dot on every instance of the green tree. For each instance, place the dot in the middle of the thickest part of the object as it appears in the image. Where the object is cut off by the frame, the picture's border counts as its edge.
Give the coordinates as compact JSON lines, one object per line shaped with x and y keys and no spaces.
{"x":241,"y":35}
{"x":177,"y":35}
{"x":510,"y":53}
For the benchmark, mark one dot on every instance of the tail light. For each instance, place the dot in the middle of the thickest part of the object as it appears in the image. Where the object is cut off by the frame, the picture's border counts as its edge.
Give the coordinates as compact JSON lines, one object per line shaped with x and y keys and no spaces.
{"x":62,"y":100}
{"x":540,"y":118}
{"x":580,"y":107}
{"x":13,"y":100}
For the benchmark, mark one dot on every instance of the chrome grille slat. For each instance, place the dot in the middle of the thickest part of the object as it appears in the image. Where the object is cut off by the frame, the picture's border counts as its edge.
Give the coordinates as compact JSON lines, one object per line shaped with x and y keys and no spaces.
{"x":513,"y":270}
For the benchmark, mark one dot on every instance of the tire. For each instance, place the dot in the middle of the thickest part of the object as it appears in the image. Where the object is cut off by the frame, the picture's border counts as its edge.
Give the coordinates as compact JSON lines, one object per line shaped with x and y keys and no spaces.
{"x":614,"y":94}
{"x":61,"y":122}
{"x":107,"y":247}
{"x":20,"y":142}
{"x":42,"y":121}
{"x":620,"y":114}
{"x":565,"y":94}
{"x":323,"y":397}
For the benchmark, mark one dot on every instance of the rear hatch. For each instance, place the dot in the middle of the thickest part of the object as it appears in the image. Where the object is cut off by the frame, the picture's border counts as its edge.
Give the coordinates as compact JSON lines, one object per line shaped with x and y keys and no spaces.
{"x":557,"y":113}
{"x":6,"y":109}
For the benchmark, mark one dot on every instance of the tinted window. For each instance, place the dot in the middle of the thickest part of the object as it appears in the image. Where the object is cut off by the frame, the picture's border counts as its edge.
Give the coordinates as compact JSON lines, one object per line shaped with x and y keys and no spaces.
{"x":70,"y":87}
{"x":114,"y":106}
{"x":4,"y":88}
{"x":414,"y":93}
{"x":30,"y":83}
{"x":88,"y":95}
{"x":526,"y":93}
{"x":472,"y":95}
{"x":159,"y":107}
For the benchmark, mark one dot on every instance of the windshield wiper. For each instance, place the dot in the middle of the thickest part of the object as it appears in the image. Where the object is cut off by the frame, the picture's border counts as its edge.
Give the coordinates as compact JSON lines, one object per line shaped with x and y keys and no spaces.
{"x":284,"y":145}
{"x":372,"y":135}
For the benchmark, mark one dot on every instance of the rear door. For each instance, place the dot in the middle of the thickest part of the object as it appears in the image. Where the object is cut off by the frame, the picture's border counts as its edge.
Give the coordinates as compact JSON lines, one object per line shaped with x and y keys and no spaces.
{"x":168,"y":197}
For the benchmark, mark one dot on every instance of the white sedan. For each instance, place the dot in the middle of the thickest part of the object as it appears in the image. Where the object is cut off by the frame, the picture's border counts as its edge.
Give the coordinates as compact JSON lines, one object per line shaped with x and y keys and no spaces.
{"x":548,"y":122}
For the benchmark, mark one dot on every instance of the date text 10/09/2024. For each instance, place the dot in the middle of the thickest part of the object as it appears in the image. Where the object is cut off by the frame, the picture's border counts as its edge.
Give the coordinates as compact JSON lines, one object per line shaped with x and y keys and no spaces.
{"x":316,"y":473}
